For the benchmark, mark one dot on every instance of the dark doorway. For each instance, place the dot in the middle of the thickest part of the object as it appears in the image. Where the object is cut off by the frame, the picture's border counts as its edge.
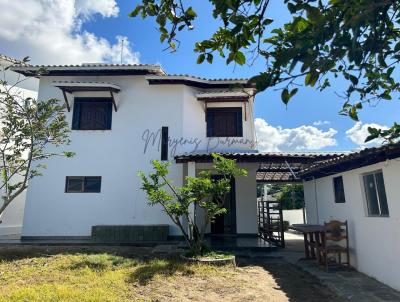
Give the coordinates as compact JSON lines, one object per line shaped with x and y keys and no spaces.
{"x":226,"y":224}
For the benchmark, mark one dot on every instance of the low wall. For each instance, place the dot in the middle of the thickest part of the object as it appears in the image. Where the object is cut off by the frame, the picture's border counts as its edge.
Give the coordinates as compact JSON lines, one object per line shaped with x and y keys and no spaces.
{"x":130,"y":233}
{"x":293,"y":216}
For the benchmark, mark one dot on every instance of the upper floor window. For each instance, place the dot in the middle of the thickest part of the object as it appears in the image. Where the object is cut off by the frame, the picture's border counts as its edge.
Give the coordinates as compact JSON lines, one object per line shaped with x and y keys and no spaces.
{"x":339,"y":189}
{"x":92,"y":114}
{"x":83,"y":184}
{"x":375,"y":194}
{"x":224,"y":122}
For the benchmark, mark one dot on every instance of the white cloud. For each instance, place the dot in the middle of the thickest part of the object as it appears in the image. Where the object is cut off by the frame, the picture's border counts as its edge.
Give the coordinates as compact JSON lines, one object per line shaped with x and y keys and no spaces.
{"x":301,"y":138}
{"x":359,"y":132}
{"x":106,"y":8}
{"x":321,"y":123}
{"x":50,"y":32}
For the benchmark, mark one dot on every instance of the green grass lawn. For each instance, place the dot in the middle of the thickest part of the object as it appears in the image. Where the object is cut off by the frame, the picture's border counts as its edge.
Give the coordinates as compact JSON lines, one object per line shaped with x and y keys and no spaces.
{"x":86,"y":277}
{"x":133,"y":274}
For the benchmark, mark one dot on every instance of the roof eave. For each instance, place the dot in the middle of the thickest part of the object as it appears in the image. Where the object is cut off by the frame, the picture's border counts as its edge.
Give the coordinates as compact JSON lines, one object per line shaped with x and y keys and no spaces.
{"x":352,"y":161}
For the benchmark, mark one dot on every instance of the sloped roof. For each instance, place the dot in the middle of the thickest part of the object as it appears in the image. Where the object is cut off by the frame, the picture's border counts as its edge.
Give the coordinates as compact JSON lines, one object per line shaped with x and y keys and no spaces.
{"x":91,"y":68}
{"x":350,"y":161}
{"x":273,"y":167}
{"x":254,"y":156}
{"x":198,"y":82}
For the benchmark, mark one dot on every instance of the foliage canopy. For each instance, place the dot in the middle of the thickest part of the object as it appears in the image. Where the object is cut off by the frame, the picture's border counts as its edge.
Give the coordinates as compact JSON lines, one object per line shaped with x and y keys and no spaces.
{"x":355,"y":40}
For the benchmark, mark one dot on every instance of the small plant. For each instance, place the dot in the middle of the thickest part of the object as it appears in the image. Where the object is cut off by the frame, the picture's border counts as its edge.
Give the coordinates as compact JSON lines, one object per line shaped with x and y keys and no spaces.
{"x":198,"y":192}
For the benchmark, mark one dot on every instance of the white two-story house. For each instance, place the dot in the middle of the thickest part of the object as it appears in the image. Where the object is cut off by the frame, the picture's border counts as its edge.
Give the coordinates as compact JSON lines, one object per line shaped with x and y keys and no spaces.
{"x":122,"y":117}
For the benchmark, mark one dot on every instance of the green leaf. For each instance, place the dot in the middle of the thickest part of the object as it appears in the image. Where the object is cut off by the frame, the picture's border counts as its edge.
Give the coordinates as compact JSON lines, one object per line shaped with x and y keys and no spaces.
{"x":311,"y":78}
{"x":267,"y":21}
{"x":191,"y":13}
{"x":136,"y":11}
{"x":300,"y":24}
{"x":353,"y":79}
{"x":285,"y":96}
{"x":313,"y":13}
{"x":240,"y":58}
{"x":201,"y":58}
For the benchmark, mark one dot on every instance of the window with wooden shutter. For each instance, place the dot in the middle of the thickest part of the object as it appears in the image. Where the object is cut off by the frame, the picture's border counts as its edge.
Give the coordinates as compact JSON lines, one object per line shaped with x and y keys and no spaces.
{"x":92,"y":114}
{"x":224,"y":122}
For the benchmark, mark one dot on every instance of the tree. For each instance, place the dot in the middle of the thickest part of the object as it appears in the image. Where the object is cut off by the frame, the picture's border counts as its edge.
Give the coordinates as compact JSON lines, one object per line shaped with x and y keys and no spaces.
{"x":28,"y":130}
{"x":357,"y":40}
{"x":291,"y":196}
{"x":202,"y":192}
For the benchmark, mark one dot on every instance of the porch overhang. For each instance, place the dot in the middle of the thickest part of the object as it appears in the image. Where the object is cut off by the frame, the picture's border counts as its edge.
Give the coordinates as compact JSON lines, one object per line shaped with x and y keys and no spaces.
{"x":73,"y":86}
{"x":273,"y":167}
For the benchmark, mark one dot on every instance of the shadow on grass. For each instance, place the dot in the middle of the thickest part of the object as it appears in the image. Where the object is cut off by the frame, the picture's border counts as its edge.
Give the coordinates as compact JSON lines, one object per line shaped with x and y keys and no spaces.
{"x":298,"y":285}
{"x":164,"y":267}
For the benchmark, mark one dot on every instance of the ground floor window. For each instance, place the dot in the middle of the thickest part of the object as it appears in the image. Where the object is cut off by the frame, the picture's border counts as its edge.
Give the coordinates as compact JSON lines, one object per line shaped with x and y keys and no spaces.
{"x":339,"y":189}
{"x":83,"y":184}
{"x":375,"y":194}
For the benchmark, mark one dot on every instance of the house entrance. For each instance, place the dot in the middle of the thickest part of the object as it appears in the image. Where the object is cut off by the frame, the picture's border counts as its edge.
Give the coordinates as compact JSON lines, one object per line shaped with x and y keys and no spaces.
{"x":226,"y":224}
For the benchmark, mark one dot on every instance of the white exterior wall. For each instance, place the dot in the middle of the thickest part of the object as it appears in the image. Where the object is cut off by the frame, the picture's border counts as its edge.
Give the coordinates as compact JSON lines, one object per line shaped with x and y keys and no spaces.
{"x":374,"y":241}
{"x":293,"y":216}
{"x":11,"y":219}
{"x":246,"y":201}
{"x":196,"y":126}
{"x":116,"y":155}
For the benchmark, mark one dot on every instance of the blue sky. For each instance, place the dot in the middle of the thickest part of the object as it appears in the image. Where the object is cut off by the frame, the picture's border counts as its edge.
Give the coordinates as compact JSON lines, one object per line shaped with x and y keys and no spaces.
{"x":103,"y":21}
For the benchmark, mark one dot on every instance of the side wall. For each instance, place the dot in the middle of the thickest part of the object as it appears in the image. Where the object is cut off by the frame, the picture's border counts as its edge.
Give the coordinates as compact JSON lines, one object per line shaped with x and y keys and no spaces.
{"x":374,"y":243}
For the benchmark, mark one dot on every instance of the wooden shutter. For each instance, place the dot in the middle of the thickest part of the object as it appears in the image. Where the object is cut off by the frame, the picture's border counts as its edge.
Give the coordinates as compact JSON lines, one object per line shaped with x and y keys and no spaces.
{"x":164,"y":143}
{"x":92,"y":114}
{"x":224,"y":122}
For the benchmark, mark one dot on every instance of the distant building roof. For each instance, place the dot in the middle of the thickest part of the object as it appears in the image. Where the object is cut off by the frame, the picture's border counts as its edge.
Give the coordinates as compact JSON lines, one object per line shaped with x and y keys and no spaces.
{"x":10,"y":59}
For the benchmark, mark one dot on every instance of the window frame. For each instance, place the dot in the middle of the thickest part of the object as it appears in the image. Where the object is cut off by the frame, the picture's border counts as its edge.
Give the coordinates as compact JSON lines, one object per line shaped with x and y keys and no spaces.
{"x":239,"y":120}
{"x":83,"y":188}
{"x":365,"y":196}
{"x":334,"y":189}
{"x":76,"y":120}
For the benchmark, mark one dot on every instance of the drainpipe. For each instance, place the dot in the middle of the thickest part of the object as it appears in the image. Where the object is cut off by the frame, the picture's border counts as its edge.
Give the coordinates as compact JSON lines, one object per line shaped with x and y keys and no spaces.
{"x":316,"y":198}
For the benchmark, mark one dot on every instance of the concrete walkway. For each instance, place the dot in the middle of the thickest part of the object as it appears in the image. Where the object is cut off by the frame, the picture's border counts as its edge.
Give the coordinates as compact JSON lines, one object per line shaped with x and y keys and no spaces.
{"x":347,"y":284}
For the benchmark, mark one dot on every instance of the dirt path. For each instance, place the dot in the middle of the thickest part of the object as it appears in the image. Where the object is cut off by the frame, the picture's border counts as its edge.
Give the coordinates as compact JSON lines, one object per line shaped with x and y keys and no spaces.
{"x":297,"y":285}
